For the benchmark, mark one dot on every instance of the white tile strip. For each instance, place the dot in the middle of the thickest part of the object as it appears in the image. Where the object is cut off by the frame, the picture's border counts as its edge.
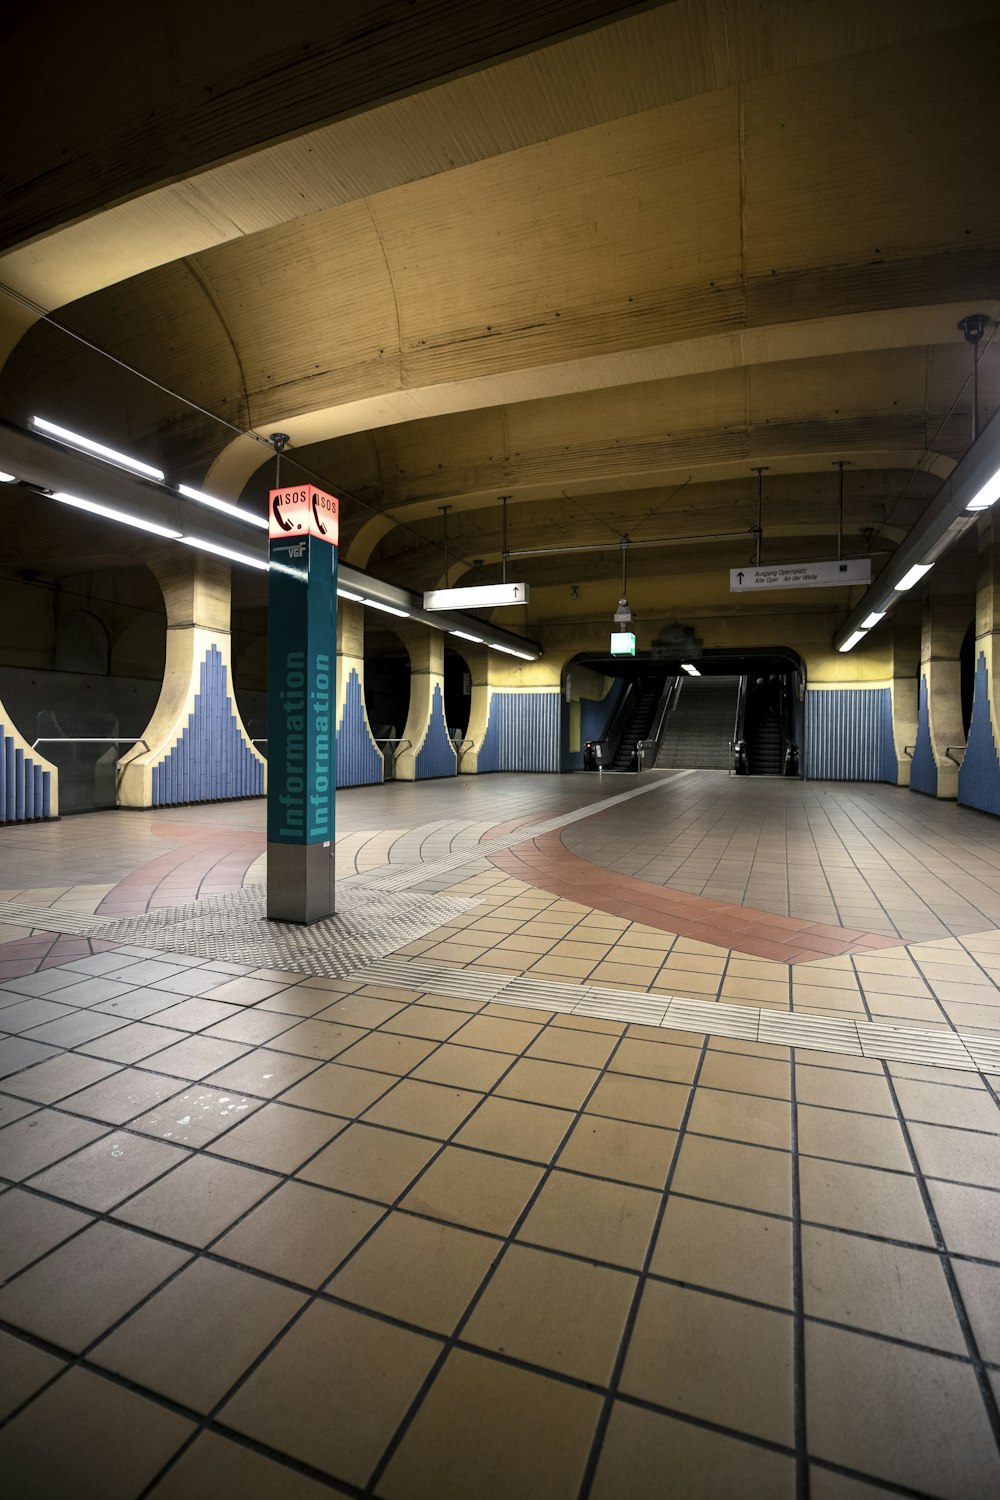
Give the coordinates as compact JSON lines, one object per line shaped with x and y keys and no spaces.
{"x":937,"y":1047}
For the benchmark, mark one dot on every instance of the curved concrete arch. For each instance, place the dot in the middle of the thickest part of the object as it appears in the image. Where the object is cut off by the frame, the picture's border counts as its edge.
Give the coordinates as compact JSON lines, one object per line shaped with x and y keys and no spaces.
{"x":814,"y":339}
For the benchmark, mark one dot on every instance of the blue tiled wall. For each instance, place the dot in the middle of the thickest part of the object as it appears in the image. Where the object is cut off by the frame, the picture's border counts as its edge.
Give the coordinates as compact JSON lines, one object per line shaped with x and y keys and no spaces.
{"x":358,"y":760}
{"x":522,"y":733}
{"x":923,"y":768}
{"x":849,"y":735}
{"x":211,"y":761}
{"x":979,"y":777}
{"x":25,"y":789}
{"x":436,"y":756}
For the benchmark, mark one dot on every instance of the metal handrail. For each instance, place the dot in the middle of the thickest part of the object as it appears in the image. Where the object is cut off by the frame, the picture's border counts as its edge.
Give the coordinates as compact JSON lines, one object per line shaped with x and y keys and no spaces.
{"x":89,"y":739}
{"x":909,"y":751}
{"x":463,"y":748}
{"x":948,"y":751}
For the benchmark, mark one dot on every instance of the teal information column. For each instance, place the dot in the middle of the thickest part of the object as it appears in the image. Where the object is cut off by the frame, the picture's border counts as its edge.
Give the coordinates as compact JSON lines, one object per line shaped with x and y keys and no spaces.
{"x":301,"y":704}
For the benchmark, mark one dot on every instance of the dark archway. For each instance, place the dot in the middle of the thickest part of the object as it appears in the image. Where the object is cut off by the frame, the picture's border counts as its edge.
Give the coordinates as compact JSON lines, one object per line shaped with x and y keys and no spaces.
{"x":967,"y":675}
{"x":387,"y":689}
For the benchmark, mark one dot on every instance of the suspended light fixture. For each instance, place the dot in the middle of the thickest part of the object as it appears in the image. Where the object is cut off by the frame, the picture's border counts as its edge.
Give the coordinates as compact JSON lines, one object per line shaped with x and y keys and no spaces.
{"x":227,"y":552}
{"x":918,"y":571}
{"x":110,"y":514}
{"x":88,"y":445}
{"x":222,"y":505}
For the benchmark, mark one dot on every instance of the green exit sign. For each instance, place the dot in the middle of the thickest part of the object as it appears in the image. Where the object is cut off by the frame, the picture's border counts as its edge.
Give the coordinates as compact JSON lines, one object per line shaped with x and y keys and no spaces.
{"x":623,"y":643}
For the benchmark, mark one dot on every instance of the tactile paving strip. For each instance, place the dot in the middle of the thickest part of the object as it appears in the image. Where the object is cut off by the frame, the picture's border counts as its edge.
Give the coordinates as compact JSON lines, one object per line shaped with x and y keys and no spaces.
{"x":932,"y":1047}
{"x":369,"y":923}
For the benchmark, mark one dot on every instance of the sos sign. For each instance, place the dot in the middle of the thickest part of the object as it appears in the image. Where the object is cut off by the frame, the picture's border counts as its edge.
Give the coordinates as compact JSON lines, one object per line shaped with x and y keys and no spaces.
{"x":303,"y":510}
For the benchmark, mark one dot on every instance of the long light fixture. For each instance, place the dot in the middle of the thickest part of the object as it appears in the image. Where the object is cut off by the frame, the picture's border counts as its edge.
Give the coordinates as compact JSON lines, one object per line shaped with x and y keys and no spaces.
{"x":852,"y":641}
{"x":509,"y":651}
{"x":988,"y":495}
{"x":918,"y":571}
{"x":873,"y":619}
{"x":226,"y":552}
{"x":387,"y":609}
{"x":110,"y":514}
{"x":692,"y":671}
{"x":88,"y":445}
{"x":6,"y":478}
{"x":83,"y":444}
{"x":227,"y":509}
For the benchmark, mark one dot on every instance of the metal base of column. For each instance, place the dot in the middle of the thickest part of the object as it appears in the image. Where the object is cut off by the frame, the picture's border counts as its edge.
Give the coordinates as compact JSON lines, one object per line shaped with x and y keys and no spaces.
{"x":301,"y":885}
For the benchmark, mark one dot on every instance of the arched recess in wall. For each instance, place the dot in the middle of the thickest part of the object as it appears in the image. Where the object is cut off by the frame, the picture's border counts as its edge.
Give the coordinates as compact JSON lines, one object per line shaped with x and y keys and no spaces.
{"x":249,"y":650}
{"x":387,"y":686}
{"x":94,"y":674}
{"x":967,"y":675}
{"x":82,"y":643}
{"x":457,"y":695}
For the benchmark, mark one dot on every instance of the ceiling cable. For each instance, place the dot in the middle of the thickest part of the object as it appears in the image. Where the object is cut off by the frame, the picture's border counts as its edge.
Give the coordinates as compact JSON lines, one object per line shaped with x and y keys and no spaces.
{"x":212,"y":416}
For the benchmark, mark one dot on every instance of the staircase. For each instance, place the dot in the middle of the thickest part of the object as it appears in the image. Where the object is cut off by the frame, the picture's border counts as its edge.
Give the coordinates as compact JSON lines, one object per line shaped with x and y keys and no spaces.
{"x":640,"y":722}
{"x":701,"y":726}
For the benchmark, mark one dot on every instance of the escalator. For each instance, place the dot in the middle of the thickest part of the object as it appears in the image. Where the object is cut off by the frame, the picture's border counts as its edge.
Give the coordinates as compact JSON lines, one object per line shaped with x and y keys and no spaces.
{"x":767,"y":729}
{"x":700,"y":728}
{"x":639,"y":722}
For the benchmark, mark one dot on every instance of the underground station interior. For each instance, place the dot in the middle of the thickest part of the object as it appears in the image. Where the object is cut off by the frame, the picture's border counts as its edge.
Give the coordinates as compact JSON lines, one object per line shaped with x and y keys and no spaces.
{"x":499,"y":778}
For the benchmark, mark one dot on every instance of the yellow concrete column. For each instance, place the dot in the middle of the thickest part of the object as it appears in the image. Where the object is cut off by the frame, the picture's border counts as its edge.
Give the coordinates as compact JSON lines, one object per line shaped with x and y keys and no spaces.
{"x":359,"y":760}
{"x":197,"y":749}
{"x":477,"y":659}
{"x":979,"y":778}
{"x":905,"y":622}
{"x":948,"y":610}
{"x":430,"y":751}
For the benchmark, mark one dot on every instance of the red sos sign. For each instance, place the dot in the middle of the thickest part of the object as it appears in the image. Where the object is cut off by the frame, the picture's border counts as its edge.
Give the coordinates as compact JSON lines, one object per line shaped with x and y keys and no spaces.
{"x":303,"y":510}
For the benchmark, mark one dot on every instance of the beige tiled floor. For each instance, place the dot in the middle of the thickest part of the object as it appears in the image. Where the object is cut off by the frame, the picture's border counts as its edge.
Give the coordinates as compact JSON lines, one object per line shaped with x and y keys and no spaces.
{"x":396,"y":1243}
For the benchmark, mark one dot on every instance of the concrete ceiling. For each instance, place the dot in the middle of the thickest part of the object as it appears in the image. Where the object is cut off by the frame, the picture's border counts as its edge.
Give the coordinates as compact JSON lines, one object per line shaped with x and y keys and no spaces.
{"x":605,"y":273}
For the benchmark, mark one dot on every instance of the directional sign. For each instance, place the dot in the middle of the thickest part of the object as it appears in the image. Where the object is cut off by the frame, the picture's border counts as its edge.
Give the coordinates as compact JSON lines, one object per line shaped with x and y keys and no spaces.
{"x":489,"y":595}
{"x":811,"y":575}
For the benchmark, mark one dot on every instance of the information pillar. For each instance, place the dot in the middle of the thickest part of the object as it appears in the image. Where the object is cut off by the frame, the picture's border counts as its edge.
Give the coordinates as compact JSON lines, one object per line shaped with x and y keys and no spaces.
{"x":301,"y":704}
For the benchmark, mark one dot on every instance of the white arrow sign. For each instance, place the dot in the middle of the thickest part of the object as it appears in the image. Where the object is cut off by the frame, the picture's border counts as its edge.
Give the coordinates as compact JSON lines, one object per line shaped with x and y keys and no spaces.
{"x":813,"y":575}
{"x":487,"y":595}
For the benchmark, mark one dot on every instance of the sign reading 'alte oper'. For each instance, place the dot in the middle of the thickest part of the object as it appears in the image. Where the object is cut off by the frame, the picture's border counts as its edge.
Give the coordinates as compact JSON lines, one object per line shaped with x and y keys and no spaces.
{"x":302,"y":758}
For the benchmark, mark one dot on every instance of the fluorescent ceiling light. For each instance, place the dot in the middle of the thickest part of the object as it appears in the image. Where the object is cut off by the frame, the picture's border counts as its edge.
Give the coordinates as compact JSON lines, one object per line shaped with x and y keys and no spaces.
{"x":852,"y":641}
{"x":873,"y":619}
{"x":227,"y":552}
{"x":689,"y":669}
{"x":913,"y":576}
{"x":465,"y":636}
{"x":223,"y":505}
{"x":387,"y":609}
{"x":509,"y":651}
{"x":87,"y":445}
{"x":115,"y":515}
{"x":354,"y":598}
{"x":988,"y":495}
{"x":7,"y":478}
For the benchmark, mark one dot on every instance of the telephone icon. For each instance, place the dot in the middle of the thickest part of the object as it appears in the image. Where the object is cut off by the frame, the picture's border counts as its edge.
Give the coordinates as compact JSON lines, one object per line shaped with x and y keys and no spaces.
{"x":285,"y":525}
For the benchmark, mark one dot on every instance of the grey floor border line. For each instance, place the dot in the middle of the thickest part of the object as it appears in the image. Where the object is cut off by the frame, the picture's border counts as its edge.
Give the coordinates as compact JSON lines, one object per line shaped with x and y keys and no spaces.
{"x":387,"y":877}
{"x":390,"y":877}
{"x":936,"y":1047}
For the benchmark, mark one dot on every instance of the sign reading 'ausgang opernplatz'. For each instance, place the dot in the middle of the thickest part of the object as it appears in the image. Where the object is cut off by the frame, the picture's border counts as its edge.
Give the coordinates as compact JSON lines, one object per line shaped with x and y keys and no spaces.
{"x":302,"y":666}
